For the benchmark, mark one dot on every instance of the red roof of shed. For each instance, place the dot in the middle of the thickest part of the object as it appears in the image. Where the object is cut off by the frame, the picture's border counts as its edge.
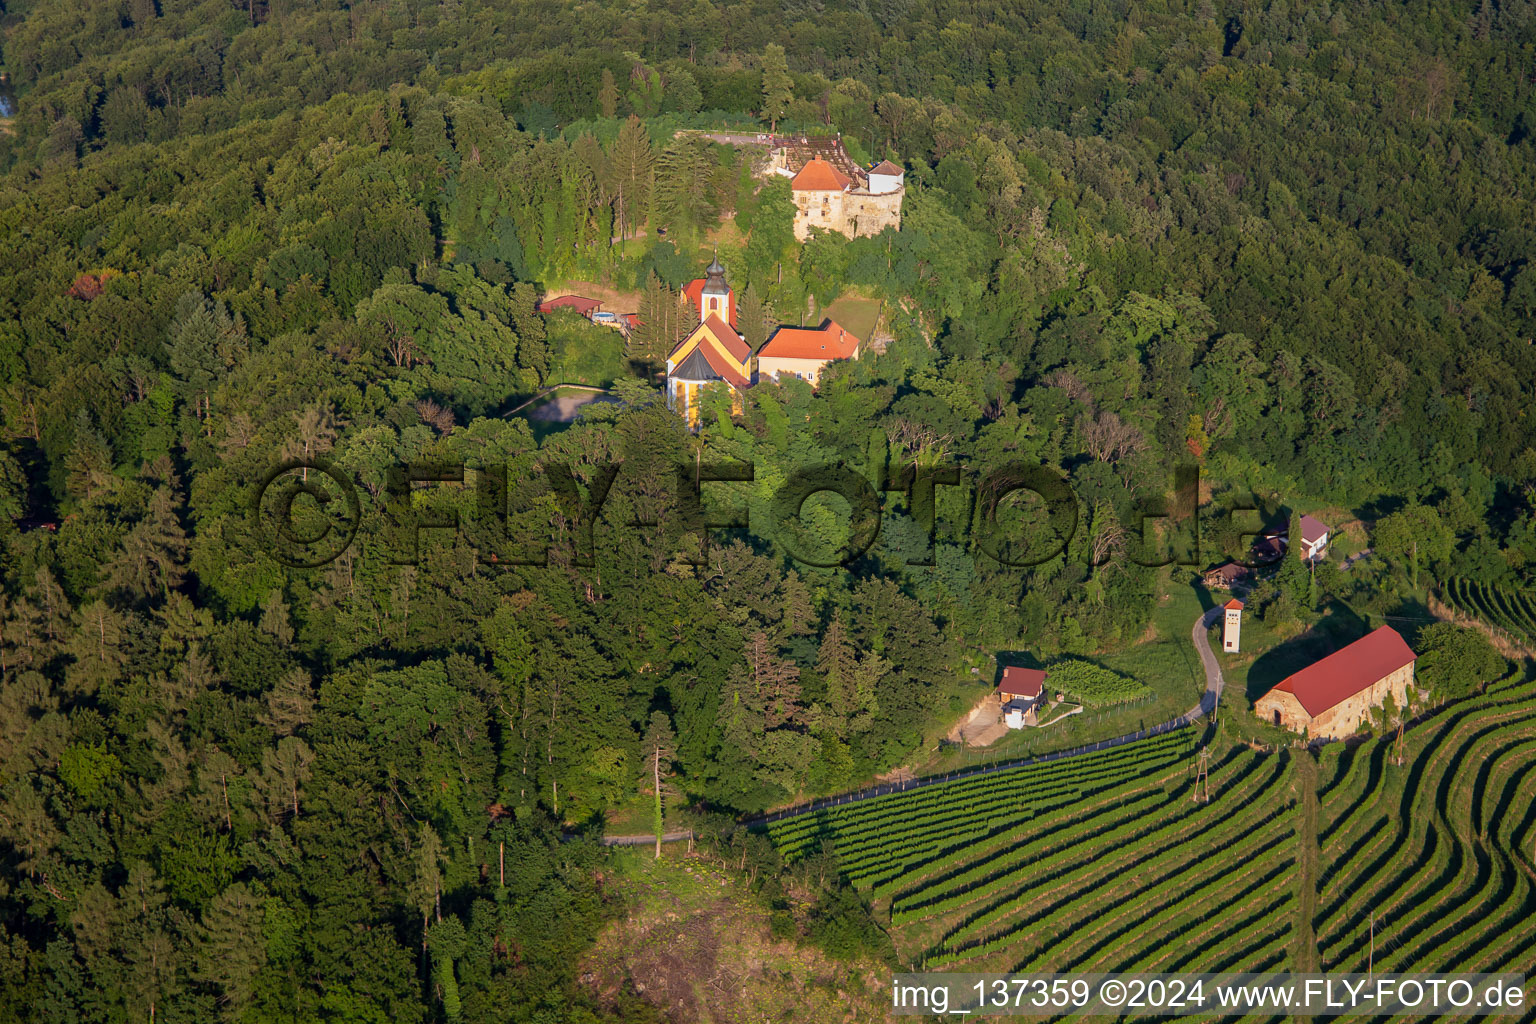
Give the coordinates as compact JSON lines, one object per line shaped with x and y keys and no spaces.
{"x":1234,"y":603}
{"x":1022,"y":682}
{"x":580,"y":303}
{"x":1346,"y":672}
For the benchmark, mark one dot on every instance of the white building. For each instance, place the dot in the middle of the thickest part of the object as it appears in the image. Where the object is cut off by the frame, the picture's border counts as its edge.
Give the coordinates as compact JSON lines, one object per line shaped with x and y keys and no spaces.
{"x":1232,"y":626}
{"x":1314,"y":540}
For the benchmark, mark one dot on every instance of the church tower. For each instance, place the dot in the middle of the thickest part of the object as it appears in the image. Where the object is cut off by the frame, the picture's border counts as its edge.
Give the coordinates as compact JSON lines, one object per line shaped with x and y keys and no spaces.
{"x":715,"y":297}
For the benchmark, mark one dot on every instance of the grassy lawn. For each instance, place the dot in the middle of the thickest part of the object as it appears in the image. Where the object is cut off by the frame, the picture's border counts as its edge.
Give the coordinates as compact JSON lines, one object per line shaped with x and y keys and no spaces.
{"x":856,"y":313}
{"x":581,"y":352}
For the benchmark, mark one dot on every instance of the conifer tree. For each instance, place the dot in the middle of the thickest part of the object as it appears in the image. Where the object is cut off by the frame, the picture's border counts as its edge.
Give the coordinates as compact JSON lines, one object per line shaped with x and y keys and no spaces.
{"x":632,"y":163}
{"x":754,"y":317}
{"x":658,"y":751}
{"x":778,"y":87}
{"x":608,"y":95}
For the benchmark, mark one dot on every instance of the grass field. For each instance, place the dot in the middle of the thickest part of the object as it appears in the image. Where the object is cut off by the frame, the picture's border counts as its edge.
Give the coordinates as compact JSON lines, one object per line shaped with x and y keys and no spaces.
{"x":856,"y":313}
{"x":581,"y":352}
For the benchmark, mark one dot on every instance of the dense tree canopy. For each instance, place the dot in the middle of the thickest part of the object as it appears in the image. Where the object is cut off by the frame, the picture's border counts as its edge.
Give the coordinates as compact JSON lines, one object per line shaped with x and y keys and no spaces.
{"x":1290,"y":243}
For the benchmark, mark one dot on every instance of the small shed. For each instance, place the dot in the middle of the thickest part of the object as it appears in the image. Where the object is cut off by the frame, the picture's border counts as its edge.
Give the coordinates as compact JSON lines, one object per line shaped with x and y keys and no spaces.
{"x":1224,"y":576}
{"x":580,"y":303}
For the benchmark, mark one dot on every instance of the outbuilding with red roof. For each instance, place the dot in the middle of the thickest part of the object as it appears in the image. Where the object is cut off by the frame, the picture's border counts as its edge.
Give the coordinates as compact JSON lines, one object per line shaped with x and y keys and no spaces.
{"x":580,"y":303}
{"x":1329,"y":699}
{"x":805,"y":351}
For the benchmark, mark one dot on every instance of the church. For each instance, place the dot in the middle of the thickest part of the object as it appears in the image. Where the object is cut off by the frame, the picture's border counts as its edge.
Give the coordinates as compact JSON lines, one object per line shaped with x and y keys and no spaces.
{"x":715,"y":353}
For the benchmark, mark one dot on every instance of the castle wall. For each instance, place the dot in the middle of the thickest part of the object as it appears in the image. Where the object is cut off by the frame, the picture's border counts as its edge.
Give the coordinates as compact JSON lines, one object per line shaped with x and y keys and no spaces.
{"x":854,"y":214}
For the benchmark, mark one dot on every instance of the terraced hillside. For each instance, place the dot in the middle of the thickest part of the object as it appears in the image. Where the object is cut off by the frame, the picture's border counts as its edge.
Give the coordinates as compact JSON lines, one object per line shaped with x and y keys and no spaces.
{"x":1110,"y":849}
{"x":1438,"y":849}
{"x":1510,"y":610}
{"x":1107,"y":862}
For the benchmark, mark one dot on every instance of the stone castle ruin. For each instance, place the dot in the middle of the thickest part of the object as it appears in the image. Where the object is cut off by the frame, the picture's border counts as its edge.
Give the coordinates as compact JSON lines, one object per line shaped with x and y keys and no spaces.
{"x":830,"y":190}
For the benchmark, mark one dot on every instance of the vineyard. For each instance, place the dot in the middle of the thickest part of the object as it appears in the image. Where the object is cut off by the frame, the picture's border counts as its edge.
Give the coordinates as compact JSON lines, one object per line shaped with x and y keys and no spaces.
{"x":1513,"y":611}
{"x":1110,"y":849}
{"x":1434,"y":855}
{"x":1106,"y":861}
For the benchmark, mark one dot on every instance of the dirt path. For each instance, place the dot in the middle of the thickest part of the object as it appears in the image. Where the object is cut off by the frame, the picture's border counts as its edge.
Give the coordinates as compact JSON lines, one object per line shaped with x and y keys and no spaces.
{"x":647,"y":839}
{"x":1304,"y":956}
{"x":981,"y":727}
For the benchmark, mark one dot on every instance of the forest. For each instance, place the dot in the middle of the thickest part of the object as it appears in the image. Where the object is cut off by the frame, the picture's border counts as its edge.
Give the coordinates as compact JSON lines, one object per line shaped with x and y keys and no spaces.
{"x":1289,"y":244}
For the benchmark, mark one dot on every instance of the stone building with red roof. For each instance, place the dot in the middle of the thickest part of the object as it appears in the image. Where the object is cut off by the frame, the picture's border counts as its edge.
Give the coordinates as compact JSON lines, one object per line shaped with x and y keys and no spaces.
{"x":828,"y":198}
{"x":1329,"y":699}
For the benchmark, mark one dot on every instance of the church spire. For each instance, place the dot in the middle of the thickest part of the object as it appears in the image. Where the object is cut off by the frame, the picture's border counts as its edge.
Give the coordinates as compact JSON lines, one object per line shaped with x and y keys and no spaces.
{"x":714,"y":278}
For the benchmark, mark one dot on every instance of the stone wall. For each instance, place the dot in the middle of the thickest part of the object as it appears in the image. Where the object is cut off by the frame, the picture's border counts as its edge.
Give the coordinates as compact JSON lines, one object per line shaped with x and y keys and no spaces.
{"x":855,"y":213}
{"x":1344,"y":718}
{"x":1283,"y":709}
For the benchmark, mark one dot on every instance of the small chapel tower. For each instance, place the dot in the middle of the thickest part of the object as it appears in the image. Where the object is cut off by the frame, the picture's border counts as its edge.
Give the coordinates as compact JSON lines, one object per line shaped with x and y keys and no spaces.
{"x":1231,"y":626}
{"x":715,"y":297}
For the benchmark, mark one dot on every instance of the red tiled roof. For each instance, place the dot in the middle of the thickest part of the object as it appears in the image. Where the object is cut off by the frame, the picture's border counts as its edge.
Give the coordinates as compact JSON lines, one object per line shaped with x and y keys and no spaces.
{"x":819,"y":176}
{"x":829,"y":341}
{"x":579,"y":303}
{"x":720,"y":365}
{"x":718,"y":337}
{"x":1022,"y":682}
{"x":885,"y":167}
{"x":1346,"y":672}
{"x":1234,"y":603}
{"x":729,"y":339}
{"x":695,"y":291}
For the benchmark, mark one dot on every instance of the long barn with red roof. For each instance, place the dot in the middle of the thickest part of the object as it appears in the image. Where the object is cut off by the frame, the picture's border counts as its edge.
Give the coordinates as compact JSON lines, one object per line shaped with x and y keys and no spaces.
{"x":1329,"y":699}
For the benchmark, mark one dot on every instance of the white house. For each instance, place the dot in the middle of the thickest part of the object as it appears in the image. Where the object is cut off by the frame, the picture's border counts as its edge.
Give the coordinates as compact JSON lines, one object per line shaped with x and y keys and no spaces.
{"x":1020,"y":692}
{"x":1314,"y":540}
{"x":885,"y":178}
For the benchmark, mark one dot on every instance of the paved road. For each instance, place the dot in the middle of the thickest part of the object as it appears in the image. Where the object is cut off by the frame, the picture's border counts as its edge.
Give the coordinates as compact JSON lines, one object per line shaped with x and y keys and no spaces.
{"x":645,"y":840}
{"x":1213,"y":686}
{"x":1213,"y":678}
